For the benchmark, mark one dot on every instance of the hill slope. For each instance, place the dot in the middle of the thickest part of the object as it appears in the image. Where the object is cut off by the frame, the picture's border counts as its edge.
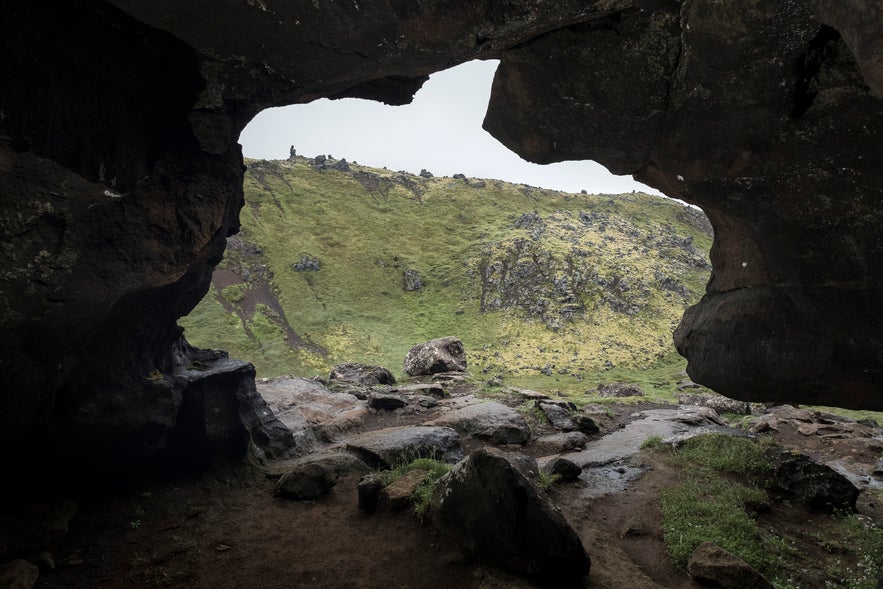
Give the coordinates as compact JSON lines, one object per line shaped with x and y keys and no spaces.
{"x":339,"y":262}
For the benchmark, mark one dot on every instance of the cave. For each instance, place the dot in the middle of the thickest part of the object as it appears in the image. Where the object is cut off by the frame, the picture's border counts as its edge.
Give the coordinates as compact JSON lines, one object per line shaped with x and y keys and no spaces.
{"x":121,"y":178}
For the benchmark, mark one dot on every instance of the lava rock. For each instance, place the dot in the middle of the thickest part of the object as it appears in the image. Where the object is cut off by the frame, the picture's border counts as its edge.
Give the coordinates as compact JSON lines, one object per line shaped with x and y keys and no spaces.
{"x":439,"y":355}
{"x":361,"y":374}
{"x":802,"y":480}
{"x":620,"y":389}
{"x":307,"y":263}
{"x":566,"y":470}
{"x":563,"y":442}
{"x":496,"y":514}
{"x":411,"y":281}
{"x":558,"y":415}
{"x":385,"y":401}
{"x":316,"y":475}
{"x":490,"y":421}
{"x":384,"y":448}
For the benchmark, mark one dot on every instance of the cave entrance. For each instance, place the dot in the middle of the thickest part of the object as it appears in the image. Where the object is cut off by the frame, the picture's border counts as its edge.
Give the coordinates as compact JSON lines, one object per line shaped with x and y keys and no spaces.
{"x":385,"y":230}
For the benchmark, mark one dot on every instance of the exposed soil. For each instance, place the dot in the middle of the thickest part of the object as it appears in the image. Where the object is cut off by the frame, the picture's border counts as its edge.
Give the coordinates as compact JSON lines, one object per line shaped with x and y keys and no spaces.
{"x":225,"y":529}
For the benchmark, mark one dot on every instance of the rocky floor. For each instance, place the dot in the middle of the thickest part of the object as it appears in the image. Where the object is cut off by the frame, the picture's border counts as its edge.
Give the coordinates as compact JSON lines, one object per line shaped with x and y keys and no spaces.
{"x":226,"y":528}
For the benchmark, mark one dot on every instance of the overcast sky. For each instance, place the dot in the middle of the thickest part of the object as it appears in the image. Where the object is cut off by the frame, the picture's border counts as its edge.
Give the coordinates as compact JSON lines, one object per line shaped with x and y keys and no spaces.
{"x":439,"y":131}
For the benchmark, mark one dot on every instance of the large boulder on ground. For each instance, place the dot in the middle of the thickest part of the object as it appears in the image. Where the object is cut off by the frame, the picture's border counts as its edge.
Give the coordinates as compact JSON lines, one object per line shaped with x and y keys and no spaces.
{"x":439,"y":355}
{"x":490,"y":421}
{"x":361,"y":374}
{"x":496,"y":514}
{"x":394,"y":445}
{"x":802,"y":480}
{"x":712,"y":565}
{"x":312,"y":412}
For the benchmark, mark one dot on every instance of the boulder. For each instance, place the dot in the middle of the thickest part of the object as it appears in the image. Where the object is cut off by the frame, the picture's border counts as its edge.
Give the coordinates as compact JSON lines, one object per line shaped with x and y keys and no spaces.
{"x":496,"y":514}
{"x":620,"y":389}
{"x":490,"y":421}
{"x":439,"y":355}
{"x":565,"y":470}
{"x":311,"y":412}
{"x":361,"y":374}
{"x":586,"y":424}
{"x":558,"y":415}
{"x":719,"y":403}
{"x":785,"y":412}
{"x":562,"y":442}
{"x":18,"y":574}
{"x":801,"y":480}
{"x":411,"y":281}
{"x":316,"y":475}
{"x":385,"y":448}
{"x":712,"y":565}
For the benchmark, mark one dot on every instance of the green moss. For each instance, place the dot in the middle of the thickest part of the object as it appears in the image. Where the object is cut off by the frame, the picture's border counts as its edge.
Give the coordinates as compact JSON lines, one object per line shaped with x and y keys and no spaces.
{"x":366,"y":234}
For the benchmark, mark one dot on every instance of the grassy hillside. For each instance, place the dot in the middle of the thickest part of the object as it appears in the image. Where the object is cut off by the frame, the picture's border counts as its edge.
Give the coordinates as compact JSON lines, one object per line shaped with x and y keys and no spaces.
{"x":339,"y":262}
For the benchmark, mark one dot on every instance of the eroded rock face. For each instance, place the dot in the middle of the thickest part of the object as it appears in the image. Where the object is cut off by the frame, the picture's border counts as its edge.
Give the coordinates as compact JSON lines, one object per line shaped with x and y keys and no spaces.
{"x":768,"y":116}
{"x":121,"y":179}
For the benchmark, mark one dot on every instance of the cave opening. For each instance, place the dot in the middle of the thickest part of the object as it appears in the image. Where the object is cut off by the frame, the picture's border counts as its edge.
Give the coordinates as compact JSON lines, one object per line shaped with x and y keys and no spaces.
{"x":585,"y":274}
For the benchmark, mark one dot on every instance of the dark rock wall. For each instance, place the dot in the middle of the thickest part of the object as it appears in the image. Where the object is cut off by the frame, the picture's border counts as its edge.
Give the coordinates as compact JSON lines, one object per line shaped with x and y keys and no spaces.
{"x":759,"y":113}
{"x":120,"y":175}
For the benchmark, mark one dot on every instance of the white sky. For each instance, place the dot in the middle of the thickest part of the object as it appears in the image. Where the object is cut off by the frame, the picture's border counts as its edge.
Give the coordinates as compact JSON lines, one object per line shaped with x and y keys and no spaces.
{"x":439,"y":131}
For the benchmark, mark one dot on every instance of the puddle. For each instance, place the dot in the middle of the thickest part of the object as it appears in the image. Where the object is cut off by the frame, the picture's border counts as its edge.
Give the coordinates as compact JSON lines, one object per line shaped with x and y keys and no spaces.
{"x":605,"y":462}
{"x":611,"y":478}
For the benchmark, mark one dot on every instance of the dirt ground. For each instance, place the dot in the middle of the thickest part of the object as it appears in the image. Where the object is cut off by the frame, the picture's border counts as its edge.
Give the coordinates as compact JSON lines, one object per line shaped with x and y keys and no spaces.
{"x":224,"y":529}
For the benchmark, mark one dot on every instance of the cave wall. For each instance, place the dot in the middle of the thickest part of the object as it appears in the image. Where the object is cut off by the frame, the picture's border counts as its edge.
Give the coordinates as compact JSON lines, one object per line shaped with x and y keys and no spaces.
{"x":121,"y":176}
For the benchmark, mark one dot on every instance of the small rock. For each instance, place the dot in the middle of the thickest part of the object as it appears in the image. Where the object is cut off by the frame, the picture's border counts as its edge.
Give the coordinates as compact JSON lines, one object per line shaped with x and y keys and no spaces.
{"x":557,"y":415}
{"x":18,"y":574}
{"x":397,"y":495}
{"x":713,"y":565}
{"x":634,"y":528}
{"x":620,"y":389}
{"x":530,"y":395}
{"x":563,"y":442}
{"x":316,"y":475}
{"x":385,"y":401}
{"x":369,"y":489}
{"x":411,"y":281}
{"x":361,"y":374}
{"x":566,"y":470}
{"x":586,"y":424}
{"x":222,"y":548}
{"x":426,"y":174}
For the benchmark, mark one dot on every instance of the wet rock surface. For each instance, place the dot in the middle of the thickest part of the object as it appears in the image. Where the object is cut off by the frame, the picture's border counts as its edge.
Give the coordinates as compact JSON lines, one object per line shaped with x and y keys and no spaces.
{"x":490,"y":421}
